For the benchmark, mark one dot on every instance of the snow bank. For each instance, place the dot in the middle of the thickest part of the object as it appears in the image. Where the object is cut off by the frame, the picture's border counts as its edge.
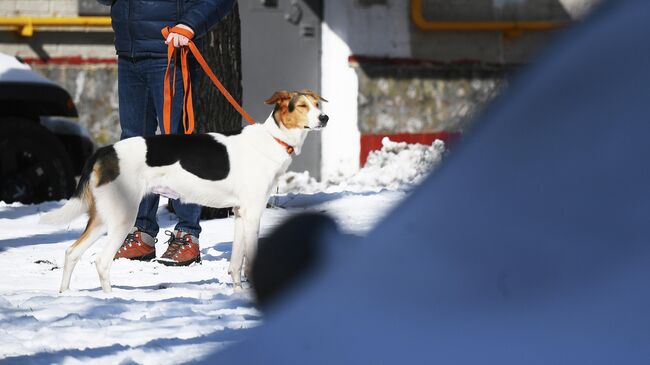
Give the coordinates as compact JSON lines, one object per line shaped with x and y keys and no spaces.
{"x":397,"y":166}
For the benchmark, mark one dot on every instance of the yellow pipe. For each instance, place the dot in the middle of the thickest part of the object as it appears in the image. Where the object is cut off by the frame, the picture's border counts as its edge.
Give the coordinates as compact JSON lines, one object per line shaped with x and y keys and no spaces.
{"x":26,"y":24}
{"x":504,"y":26}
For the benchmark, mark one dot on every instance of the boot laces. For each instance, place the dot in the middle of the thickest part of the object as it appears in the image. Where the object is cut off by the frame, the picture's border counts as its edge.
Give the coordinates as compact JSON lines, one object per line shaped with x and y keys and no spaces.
{"x":131,"y":239}
{"x":128,"y":241}
{"x":175,"y":243}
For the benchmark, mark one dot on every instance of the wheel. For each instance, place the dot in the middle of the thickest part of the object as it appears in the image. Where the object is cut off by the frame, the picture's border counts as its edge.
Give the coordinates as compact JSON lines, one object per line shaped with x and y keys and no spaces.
{"x":34,"y":166}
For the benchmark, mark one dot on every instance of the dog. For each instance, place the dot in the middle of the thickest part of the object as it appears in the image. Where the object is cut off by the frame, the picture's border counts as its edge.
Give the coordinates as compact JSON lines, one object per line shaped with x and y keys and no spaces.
{"x":212,"y":169}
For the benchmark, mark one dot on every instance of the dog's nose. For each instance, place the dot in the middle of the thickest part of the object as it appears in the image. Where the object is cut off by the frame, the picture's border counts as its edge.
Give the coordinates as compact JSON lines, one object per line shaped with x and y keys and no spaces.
{"x":323,"y":118}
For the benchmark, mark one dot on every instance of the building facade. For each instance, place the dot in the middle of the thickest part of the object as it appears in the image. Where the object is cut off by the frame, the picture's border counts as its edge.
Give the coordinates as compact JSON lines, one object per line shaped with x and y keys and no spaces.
{"x":410,"y":69}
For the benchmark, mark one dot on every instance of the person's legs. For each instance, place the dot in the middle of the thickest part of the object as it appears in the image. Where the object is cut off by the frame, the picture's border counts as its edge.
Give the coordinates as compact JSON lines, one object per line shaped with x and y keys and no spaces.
{"x":188,"y":214}
{"x":138,"y":118}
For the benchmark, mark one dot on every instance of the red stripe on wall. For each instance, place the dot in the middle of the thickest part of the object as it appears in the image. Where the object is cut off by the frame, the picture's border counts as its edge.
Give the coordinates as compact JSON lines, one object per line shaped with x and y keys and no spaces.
{"x":71,"y":60}
{"x":372,"y":142}
{"x":397,"y":61}
{"x":469,"y":64}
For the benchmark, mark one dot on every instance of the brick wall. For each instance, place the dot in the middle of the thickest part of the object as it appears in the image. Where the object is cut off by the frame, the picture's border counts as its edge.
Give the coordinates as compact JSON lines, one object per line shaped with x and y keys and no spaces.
{"x":93,"y":87}
{"x":424,"y":98}
{"x":39,"y":7}
{"x":53,"y":42}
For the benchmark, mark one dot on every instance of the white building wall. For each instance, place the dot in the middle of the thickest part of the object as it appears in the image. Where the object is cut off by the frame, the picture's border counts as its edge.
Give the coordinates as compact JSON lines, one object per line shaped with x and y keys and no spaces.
{"x":351,"y":29}
{"x":579,"y":8}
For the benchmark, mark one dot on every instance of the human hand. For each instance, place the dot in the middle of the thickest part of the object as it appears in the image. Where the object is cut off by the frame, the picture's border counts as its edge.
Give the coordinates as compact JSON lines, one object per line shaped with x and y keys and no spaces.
{"x":179,"y":40}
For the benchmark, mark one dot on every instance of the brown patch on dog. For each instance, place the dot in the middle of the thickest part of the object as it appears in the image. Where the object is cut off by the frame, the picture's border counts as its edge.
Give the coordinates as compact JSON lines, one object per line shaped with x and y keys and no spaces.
{"x":278,"y":96}
{"x":93,"y":220}
{"x":291,"y":109}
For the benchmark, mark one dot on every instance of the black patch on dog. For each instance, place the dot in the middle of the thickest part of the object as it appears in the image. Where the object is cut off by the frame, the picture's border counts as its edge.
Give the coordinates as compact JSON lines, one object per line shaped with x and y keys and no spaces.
{"x":199,"y":154}
{"x":109,"y":165}
{"x":233,"y":132}
{"x":110,"y":170}
{"x":277,"y":107}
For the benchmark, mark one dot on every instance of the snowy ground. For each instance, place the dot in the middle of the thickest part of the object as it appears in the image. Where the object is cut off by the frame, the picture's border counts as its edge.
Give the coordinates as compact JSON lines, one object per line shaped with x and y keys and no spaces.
{"x":160,"y":314}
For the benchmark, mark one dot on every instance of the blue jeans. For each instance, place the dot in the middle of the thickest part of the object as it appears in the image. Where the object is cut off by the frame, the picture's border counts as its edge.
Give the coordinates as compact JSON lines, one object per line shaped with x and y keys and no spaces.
{"x":140,"y":89}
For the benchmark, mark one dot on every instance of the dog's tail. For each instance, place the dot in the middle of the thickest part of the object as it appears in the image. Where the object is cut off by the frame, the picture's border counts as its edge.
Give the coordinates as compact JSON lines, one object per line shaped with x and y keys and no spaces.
{"x":81,"y":201}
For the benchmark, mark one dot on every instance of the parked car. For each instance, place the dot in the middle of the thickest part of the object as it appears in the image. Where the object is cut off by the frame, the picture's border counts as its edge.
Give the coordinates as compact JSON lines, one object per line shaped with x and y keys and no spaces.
{"x":40,"y":155}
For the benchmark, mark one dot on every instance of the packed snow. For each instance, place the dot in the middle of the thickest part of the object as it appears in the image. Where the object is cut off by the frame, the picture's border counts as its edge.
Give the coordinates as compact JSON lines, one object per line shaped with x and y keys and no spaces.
{"x":158,"y":314}
{"x":397,"y":166}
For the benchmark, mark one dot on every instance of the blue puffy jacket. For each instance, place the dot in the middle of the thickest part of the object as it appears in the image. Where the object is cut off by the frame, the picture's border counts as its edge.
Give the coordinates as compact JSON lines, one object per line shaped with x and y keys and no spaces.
{"x":137,"y":23}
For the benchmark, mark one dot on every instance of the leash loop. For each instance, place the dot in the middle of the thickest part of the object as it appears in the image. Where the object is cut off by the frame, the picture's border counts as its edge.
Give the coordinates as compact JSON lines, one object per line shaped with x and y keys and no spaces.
{"x":188,"y":107}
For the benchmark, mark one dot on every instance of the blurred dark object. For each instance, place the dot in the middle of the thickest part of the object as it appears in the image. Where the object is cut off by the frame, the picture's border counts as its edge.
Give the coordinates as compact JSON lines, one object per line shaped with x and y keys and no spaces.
{"x":289,"y":255}
{"x":39,"y":156}
{"x":530,"y":245}
{"x":208,"y":213}
{"x":215,"y":213}
{"x":74,"y":138}
{"x":31,"y":99}
{"x":34,"y":165}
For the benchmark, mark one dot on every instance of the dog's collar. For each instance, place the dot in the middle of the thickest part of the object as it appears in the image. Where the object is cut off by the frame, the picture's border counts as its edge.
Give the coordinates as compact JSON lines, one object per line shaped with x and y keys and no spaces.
{"x":284,"y":144}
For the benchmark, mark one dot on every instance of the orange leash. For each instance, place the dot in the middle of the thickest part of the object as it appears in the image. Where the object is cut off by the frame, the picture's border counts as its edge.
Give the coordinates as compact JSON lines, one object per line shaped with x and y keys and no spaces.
{"x":188,"y":109}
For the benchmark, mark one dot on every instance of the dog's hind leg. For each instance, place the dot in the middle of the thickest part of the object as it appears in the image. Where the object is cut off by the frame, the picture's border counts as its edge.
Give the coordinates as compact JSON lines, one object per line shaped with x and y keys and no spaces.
{"x":237,"y":254}
{"x":121,"y":210}
{"x":94,"y":230}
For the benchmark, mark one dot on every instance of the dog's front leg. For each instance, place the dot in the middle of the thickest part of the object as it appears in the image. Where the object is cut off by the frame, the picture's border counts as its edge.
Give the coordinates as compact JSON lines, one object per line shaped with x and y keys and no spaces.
{"x":237,"y":255}
{"x":251,"y":235}
{"x":247,"y":227}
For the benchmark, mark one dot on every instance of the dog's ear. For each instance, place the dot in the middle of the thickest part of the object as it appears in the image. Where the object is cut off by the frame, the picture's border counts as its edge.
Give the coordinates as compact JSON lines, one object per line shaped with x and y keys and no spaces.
{"x":313,"y":95}
{"x":277,"y":97}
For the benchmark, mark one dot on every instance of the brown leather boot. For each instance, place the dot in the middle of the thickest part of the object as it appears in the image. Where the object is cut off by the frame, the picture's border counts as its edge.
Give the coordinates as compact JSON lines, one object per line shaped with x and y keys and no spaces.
{"x":182,"y":250}
{"x":137,"y":246}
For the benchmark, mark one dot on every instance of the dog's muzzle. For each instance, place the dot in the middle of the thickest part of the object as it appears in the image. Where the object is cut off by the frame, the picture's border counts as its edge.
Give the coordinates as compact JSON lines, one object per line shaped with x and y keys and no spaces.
{"x":323,"y":119}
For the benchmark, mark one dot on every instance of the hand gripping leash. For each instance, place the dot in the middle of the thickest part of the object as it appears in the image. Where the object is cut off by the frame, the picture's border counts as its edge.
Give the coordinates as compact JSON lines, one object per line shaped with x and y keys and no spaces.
{"x":188,"y":109}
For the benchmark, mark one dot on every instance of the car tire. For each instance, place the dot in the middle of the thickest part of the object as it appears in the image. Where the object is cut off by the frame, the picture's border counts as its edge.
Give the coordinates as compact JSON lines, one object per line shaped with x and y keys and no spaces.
{"x":34,"y":165}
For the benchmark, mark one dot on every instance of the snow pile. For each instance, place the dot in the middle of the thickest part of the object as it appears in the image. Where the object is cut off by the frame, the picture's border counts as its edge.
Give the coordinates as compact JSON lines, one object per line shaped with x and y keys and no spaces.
{"x":397,"y":166}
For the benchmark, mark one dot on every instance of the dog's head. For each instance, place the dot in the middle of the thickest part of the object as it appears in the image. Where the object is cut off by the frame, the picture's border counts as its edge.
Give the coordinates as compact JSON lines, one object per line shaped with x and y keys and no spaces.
{"x":298,"y":109}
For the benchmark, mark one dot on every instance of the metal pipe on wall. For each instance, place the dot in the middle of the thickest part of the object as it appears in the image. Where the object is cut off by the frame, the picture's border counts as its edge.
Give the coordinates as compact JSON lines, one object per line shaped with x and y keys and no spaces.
{"x":26,"y":24}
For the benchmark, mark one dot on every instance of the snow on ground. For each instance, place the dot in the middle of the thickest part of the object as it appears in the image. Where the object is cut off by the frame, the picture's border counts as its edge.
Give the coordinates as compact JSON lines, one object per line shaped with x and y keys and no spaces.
{"x":158,"y":314}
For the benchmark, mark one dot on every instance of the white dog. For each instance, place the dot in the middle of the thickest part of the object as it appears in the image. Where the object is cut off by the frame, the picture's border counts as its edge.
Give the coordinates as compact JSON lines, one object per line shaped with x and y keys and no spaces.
{"x":212,"y":169}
